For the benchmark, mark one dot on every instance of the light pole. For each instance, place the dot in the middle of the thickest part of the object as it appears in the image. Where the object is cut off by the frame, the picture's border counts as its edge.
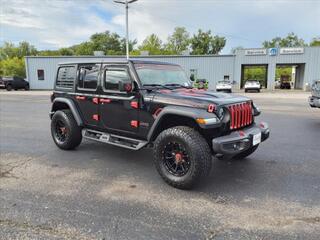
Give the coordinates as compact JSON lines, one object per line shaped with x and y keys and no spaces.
{"x":126,"y":3}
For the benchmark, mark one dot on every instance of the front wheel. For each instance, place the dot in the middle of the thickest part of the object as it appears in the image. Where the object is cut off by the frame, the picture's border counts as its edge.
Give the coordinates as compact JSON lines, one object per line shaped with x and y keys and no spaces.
{"x":65,"y":131}
{"x":9,"y":87}
{"x":26,"y":87}
{"x":182,"y":156}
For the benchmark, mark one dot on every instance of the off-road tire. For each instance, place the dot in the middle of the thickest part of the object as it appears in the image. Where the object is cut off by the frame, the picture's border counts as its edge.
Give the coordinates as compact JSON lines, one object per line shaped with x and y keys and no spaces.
{"x":73,"y":136}
{"x":198,"y":151}
{"x":9,"y":87}
{"x":246,"y":153}
{"x":26,"y":88}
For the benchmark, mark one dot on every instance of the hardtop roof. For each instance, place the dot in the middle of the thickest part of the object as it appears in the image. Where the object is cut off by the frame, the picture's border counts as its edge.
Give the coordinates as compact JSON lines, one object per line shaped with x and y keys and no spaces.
{"x":120,"y":61}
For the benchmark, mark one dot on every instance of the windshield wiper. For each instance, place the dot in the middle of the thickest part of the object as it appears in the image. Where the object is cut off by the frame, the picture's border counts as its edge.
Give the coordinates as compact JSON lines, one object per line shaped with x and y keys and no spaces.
{"x":177,"y":85}
{"x":157,"y":86}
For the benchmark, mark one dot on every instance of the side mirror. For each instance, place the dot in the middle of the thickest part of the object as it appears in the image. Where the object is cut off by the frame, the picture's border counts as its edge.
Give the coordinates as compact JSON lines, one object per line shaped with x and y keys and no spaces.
{"x":192,"y":78}
{"x":125,"y":87}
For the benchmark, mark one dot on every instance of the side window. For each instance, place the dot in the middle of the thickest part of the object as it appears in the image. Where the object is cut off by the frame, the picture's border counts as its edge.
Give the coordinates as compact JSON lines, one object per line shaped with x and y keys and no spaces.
{"x":88,"y":76}
{"x":66,"y":77}
{"x":113,"y":77}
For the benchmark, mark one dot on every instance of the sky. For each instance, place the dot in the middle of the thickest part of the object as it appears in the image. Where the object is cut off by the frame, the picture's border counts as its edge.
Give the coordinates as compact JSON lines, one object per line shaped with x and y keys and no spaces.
{"x":52,"y":24}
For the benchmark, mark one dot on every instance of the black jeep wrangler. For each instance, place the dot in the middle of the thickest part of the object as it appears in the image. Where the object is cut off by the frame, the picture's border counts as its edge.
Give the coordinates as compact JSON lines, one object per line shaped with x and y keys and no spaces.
{"x":135,"y":104}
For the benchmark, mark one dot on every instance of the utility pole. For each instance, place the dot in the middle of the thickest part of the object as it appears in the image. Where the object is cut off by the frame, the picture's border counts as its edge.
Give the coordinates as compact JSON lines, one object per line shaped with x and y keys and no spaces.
{"x":126,"y":3}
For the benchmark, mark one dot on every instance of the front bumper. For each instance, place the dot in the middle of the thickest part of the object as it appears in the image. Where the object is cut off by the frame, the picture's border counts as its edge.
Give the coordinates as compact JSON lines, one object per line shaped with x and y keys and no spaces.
{"x":314,"y":101}
{"x":252,"y":88}
{"x":241,"y":140}
{"x":223,"y":88}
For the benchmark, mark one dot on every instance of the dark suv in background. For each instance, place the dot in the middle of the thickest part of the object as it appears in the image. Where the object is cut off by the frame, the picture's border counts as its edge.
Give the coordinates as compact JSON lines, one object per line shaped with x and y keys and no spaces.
{"x":15,"y":83}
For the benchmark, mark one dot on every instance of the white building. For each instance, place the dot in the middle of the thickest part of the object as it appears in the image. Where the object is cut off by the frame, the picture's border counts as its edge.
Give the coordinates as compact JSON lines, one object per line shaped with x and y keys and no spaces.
{"x":305,"y":62}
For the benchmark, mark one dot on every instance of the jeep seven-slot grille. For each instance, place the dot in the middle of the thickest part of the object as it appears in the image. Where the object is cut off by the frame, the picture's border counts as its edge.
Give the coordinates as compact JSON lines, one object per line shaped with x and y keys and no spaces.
{"x":240,"y":115}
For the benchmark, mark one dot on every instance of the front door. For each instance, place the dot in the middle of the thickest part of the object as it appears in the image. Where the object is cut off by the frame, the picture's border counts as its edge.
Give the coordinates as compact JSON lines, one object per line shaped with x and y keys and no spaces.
{"x":86,"y":94}
{"x":119,"y":104}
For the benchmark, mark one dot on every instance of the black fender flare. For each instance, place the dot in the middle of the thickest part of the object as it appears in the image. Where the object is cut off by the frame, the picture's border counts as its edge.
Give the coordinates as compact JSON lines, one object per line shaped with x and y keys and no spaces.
{"x":182,"y":111}
{"x":71,"y":106}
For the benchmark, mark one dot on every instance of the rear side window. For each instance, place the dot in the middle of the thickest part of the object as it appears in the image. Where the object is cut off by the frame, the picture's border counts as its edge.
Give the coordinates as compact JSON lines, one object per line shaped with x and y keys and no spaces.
{"x":113,"y":78}
{"x":66,"y":77}
{"x":88,"y":76}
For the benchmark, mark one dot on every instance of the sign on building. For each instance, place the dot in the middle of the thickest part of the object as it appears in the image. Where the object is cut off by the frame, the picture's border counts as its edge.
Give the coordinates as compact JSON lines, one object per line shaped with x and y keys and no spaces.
{"x":255,"y":52}
{"x":291,"y":50}
{"x":273,"y":51}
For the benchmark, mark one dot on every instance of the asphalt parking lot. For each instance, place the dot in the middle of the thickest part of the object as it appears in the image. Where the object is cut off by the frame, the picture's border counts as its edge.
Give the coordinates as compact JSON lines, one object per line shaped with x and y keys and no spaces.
{"x":104,"y":192}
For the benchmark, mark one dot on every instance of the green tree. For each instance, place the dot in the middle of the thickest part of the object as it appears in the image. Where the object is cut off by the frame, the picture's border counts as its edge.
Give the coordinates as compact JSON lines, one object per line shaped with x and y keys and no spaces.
{"x":291,"y":40}
{"x":66,"y":51}
{"x":179,"y":41}
{"x":109,"y":43}
{"x":26,"y":49}
{"x":315,"y":42}
{"x":13,"y":67}
{"x":8,"y":50}
{"x":205,"y":43}
{"x":85,"y":48}
{"x":123,"y":45}
{"x":152,"y":44}
{"x":49,"y":53}
{"x":233,"y":50}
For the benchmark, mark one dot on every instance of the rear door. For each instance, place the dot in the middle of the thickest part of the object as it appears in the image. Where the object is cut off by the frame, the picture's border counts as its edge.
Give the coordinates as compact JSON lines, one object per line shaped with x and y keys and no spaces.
{"x":119,"y":107}
{"x":86,"y":96}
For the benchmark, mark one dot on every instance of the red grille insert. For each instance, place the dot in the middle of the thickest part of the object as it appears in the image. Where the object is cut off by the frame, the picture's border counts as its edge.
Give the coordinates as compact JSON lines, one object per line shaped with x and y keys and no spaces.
{"x":240,"y":115}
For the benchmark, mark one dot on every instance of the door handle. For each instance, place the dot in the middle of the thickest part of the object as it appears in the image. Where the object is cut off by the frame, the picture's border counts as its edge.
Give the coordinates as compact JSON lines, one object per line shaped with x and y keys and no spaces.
{"x":80,"y":97}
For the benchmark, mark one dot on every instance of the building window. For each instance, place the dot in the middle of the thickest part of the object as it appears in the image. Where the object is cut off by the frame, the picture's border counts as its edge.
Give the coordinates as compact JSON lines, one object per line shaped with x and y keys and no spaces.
{"x":194,"y":73}
{"x":40,"y":73}
{"x":226,"y":77}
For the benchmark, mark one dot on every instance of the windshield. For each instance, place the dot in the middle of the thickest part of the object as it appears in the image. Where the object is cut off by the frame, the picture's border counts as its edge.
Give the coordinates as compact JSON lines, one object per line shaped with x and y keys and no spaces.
{"x":161,"y":74}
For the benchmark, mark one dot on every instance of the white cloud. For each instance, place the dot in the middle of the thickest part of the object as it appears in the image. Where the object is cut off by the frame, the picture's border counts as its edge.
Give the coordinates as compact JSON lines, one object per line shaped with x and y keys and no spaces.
{"x":54,"y":24}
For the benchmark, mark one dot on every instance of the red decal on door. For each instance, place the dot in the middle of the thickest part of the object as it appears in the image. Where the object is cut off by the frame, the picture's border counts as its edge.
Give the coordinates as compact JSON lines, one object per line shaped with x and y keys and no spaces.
{"x":95,"y":117}
{"x":134,"y":104}
{"x":80,"y":97}
{"x":134,"y":123}
{"x":95,"y":100}
{"x":105,"y":100}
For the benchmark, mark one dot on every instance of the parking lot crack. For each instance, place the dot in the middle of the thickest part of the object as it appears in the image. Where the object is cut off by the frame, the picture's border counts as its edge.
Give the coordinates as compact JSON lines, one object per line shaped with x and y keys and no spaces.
{"x":7,"y":170}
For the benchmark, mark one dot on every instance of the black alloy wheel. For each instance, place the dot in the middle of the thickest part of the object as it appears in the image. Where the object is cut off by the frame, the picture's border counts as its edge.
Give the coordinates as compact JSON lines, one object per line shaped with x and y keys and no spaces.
{"x":176,"y":159}
{"x":61,"y":132}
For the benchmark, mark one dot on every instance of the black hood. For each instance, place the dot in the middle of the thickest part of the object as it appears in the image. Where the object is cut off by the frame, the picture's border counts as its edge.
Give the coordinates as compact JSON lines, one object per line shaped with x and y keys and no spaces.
{"x":196,"y":98}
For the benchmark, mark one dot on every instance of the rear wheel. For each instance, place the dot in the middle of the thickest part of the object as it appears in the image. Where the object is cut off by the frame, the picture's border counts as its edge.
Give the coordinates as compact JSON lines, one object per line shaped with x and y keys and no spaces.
{"x":65,"y":131}
{"x":246,"y":153}
{"x":182,"y":156}
{"x":27,"y":87}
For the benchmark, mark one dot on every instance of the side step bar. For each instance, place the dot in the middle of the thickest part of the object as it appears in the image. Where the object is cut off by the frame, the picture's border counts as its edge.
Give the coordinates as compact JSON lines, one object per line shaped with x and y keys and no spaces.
{"x":130,"y":143}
